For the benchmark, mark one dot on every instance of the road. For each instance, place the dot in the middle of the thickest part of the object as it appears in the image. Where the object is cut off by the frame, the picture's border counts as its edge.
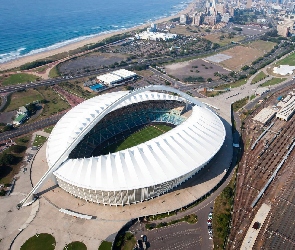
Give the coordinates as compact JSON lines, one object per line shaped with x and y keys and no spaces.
{"x":14,"y":88}
{"x":3,"y":101}
{"x":29,"y":128}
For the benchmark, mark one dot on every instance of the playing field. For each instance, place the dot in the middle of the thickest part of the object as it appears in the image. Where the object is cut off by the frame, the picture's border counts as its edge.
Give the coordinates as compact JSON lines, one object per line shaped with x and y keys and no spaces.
{"x":145,"y":134}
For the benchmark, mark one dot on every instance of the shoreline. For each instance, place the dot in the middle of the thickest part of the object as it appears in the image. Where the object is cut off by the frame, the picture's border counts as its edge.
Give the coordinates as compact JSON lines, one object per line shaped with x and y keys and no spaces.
{"x":96,"y":38}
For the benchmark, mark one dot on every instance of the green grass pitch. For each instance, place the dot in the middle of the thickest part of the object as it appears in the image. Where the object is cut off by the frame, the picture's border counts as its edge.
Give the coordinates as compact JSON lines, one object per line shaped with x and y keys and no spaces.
{"x":141,"y":136}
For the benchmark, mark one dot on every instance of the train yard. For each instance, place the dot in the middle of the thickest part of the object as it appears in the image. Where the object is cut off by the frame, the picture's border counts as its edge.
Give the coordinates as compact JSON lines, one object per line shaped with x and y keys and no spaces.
{"x":266,"y":168}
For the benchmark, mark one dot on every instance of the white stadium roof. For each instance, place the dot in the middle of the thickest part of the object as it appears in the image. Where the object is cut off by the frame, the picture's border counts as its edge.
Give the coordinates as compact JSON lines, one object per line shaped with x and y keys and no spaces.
{"x":134,"y":174}
{"x":173,"y":154}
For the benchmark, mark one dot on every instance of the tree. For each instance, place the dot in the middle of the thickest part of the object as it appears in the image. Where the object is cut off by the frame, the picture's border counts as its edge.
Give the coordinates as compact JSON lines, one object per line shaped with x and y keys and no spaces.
{"x":232,"y":74}
{"x":228,"y":193}
{"x":31,"y":108}
{"x":209,"y":79}
{"x":245,"y":67}
{"x":18,"y":148}
{"x":7,"y":159}
{"x":215,"y":46}
{"x":8,"y":127}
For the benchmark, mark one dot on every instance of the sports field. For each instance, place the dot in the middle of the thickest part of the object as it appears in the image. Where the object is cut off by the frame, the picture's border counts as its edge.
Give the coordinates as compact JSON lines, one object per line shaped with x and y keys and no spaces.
{"x":145,"y":134}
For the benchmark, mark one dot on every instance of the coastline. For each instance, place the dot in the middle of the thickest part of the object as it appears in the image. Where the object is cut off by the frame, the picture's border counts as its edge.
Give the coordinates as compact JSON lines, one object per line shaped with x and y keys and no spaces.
{"x":30,"y":58}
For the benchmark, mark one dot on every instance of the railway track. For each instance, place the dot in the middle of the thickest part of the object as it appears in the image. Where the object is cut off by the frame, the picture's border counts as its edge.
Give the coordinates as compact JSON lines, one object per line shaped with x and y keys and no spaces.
{"x":257,"y":167}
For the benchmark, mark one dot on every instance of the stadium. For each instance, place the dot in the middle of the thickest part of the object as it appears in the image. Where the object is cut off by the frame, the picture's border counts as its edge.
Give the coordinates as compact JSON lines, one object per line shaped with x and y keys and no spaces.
{"x":130,"y":146}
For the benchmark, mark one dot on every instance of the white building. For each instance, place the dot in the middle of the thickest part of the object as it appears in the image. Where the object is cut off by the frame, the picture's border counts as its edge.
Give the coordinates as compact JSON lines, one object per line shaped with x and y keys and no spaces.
{"x":116,"y":77}
{"x":183,"y":19}
{"x":109,"y":79}
{"x":287,"y":110}
{"x":135,"y":174}
{"x":124,"y":74}
{"x":154,"y":36}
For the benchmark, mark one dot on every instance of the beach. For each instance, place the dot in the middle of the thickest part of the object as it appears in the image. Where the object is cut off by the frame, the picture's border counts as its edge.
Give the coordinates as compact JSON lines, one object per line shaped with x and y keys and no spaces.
{"x":30,"y":58}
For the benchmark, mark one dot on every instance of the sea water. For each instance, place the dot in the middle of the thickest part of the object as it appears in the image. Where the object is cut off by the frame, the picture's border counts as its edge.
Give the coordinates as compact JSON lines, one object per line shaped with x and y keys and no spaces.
{"x":29,"y":26}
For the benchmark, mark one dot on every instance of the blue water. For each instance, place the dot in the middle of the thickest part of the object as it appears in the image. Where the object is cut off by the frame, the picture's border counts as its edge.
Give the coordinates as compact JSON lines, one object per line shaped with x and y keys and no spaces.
{"x":97,"y":86}
{"x":30,"y":26}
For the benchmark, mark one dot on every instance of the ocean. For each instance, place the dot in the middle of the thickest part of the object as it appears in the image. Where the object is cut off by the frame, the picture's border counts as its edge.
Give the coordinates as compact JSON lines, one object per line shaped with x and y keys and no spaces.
{"x":28,"y":27}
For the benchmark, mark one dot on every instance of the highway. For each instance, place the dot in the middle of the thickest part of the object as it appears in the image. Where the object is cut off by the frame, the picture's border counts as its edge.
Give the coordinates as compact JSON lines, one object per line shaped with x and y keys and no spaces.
{"x":28,"y":128}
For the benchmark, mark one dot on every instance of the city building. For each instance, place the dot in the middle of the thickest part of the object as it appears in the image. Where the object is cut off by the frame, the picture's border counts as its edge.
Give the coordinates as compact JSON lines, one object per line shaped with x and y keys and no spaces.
{"x":183,"y":19}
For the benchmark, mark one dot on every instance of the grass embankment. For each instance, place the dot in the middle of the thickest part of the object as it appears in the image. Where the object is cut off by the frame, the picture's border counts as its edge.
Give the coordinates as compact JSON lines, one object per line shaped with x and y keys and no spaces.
{"x":261,"y":45}
{"x":105,"y":245}
{"x":236,"y":84}
{"x":289,"y":60}
{"x":222,"y":214}
{"x":18,"y":78}
{"x":141,"y":136}
{"x":76,"y":89}
{"x":48,"y":129}
{"x":260,"y":76}
{"x":54,"y":72}
{"x":21,"y":98}
{"x":223,"y":39}
{"x":191,"y":219}
{"x":76,"y":245}
{"x":53,"y":102}
{"x":39,"y":242}
{"x":124,"y":241}
{"x":272,"y":81}
{"x":11,"y":159}
{"x":41,"y":69}
{"x":239,"y":104}
{"x":39,"y":140}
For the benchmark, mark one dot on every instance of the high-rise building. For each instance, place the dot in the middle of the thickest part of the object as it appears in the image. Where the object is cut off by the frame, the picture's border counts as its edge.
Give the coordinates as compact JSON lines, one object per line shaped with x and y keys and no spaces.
{"x":249,"y":4}
{"x":183,"y":19}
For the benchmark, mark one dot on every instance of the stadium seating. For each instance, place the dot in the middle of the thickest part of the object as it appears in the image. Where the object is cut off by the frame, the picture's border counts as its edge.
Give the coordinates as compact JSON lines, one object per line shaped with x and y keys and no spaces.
{"x":126,"y":121}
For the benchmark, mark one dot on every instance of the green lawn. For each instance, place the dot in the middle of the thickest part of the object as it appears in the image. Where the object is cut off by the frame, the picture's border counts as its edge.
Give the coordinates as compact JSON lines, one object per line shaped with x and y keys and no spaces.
{"x":76,"y":87}
{"x":125,"y":241}
{"x":54,"y":103}
{"x":141,"y":136}
{"x":39,"y":242}
{"x":39,"y":140}
{"x":76,"y":245}
{"x":48,"y":129}
{"x":236,"y":84}
{"x":18,"y":78}
{"x":272,"y":81}
{"x":222,"y":214}
{"x":18,"y":99}
{"x":105,"y":245}
{"x":289,"y":60}
{"x":260,"y":76}
{"x":53,"y":72}
{"x":239,"y":104}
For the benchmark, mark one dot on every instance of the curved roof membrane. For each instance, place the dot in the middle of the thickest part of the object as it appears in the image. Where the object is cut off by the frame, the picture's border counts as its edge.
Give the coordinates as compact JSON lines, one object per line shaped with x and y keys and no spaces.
{"x":180,"y":151}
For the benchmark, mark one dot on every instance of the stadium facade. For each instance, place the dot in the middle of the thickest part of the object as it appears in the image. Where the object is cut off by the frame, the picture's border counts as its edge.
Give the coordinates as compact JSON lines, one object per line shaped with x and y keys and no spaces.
{"x":75,"y":149}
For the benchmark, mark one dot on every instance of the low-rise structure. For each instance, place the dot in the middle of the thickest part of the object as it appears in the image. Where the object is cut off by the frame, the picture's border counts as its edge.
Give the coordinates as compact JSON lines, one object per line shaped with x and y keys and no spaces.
{"x":287,"y":110}
{"x":265,"y":115}
{"x":115,"y":77}
{"x":21,"y":116}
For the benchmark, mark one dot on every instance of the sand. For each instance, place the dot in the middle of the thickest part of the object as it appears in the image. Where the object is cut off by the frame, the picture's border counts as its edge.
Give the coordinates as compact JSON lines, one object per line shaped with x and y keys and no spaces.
{"x":20,"y":61}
